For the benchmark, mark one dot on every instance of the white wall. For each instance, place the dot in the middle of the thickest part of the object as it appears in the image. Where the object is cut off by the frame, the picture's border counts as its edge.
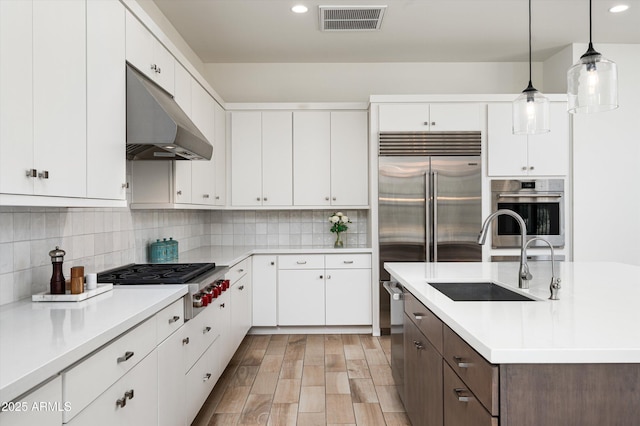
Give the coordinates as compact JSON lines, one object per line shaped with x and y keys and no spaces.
{"x":355,"y":82}
{"x":606,"y":158}
{"x":555,"y":71}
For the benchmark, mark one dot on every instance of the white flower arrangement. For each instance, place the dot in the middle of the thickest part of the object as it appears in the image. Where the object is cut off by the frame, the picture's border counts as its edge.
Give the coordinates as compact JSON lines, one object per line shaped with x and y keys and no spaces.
{"x":339,"y":222}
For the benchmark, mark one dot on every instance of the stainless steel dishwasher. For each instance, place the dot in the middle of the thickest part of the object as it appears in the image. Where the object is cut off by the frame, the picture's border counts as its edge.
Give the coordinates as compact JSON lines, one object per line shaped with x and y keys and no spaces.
{"x":396,"y":296}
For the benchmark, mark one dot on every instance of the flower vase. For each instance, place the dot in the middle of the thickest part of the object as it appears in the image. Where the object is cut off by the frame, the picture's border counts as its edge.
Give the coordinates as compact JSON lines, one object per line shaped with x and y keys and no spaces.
{"x":339,"y":243}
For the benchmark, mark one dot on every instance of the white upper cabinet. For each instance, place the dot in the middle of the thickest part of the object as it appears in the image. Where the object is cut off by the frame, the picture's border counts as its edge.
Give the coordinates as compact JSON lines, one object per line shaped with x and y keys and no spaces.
{"x":203,"y":176}
{"x":521,"y":155}
{"x":349,"y":158}
{"x":434,"y":117}
{"x":261,"y":158}
{"x":330,"y":163}
{"x":312,"y":158}
{"x":43,"y":82}
{"x":220,"y":154}
{"x":106,"y":100}
{"x":182,"y":169}
{"x":16,"y":100}
{"x":148,"y":55}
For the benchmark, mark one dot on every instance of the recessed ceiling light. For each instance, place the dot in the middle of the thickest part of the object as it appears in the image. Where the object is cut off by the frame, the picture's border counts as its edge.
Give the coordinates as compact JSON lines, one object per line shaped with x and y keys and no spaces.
{"x":299,"y":8}
{"x":618,"y":8}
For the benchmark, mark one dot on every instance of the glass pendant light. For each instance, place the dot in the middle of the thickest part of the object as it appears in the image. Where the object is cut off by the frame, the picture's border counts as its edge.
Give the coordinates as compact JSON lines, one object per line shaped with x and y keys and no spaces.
{"x":531,"y":108}
{"x":592,"y":83}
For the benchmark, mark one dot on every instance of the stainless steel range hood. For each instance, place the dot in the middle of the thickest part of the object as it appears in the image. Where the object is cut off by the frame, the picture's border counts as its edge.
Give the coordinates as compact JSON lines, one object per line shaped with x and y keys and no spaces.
{"x":157,"y":128}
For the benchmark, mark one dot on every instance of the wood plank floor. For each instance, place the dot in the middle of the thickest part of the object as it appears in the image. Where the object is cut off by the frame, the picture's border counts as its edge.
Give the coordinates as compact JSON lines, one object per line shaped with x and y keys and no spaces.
{"x":337,"y":379}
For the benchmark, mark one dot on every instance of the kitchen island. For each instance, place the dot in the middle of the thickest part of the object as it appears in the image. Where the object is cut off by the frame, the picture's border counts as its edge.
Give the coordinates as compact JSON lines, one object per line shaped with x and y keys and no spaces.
{"x":571,"y":361}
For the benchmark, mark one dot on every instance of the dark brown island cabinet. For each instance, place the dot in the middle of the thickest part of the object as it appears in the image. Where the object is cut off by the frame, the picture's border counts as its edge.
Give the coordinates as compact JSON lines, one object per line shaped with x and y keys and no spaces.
{"x":446,"y":382}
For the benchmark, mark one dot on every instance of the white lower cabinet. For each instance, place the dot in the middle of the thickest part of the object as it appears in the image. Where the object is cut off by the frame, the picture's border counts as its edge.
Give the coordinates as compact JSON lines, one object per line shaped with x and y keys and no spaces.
{"x":200,"y":380}
{"x":132,"y":400}
{"x":332,"y":289}
{"x":240,"y":309}
{"x":171,"y":380}
{"x":301,"y":297}
{"x":264,"y":291}
{"x":27,"y":410}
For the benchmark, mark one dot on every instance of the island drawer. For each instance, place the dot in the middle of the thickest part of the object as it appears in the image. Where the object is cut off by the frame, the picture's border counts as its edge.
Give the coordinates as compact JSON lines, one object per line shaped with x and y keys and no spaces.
{"x":429,"y":324}
{"x":460,"y":405}
{"x":479,"y":375}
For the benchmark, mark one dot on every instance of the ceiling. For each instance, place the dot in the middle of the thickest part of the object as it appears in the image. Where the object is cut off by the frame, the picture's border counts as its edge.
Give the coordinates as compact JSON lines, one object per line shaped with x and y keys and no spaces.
{"x":266,"y":31}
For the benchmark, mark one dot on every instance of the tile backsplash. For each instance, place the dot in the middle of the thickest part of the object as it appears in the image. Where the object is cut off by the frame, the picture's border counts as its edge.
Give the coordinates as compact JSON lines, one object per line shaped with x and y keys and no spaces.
{"x":100,"y":239}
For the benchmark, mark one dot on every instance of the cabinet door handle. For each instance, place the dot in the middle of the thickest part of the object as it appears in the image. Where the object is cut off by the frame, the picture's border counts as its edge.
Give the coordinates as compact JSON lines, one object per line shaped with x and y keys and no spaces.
{"x":185,"y":341}
{"x":264,"y":199}
{"x":348,"y":262}
{"x":205,"y":195}
{"x":461,"y":363}
{"x":217,"y":197}
{"x":524,"y":167}
{"x":206,"y":330}
{"x":273,"y":263}
{"x":122,"y":402}
{"x":321,"y":277}
{"x":44,"y":174}
{"x":240,"y":271}
{"x":206,"y":377}
{"x":257,"y":198}
{"x":531,"y":168}
{"x":154,"y":67}
{"x":32,"y":173}
{"x":326,"y":198}
{"x":173,"y":319}
{"x":125,"y":185}
{"x":241,"y":288}
{"x":418,"y":316}
{"x":328,"y":277}
{"x":300,"y":262}
{"x":126,"y":357}
{"x":418,"y":345}
{"x":179,"y":192}
{"x":129,"y":394}
{"x":333,"y":198}
{"x":461,"y":394}
{"x":222,"y":306}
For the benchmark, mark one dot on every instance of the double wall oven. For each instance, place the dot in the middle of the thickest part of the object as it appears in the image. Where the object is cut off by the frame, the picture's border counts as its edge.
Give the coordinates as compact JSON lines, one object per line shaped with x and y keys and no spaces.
{"x":540,"y":202}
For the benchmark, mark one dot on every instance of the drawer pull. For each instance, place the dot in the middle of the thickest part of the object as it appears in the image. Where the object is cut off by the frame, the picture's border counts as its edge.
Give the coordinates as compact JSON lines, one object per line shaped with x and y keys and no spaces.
{"x":129,"y":394}
{"x":222,"y":306}
{"x":418,"y":345}
{"x":206,"y":330}
{"x":122,"y":402}
{"x":126,"y":357}
{"x":461,"y":363}
{"x":240,"y":271}
{"x":185,"y":341}
{"x":301,"y":262}
{"x":173,"y":319}
{"x":348,"y":262}
{"x":418,"y":316}
{"x":241,"y":287}
{"x":206,"y":377}
{"x":461,"y":394}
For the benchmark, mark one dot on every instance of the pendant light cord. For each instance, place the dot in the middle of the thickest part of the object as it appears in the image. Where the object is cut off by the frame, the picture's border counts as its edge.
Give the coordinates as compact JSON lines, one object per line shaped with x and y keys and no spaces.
{"x":590,"y":24}
{"x":530,"y":42}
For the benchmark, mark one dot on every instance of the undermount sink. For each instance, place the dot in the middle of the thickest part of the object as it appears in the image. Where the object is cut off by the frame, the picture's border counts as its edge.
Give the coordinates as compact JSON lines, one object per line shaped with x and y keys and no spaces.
{"x":478,"y":292}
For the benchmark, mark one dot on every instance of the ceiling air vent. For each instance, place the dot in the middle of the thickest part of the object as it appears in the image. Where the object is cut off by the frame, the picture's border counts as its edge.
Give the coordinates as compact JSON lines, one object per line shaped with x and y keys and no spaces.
{"x":351,"y":18}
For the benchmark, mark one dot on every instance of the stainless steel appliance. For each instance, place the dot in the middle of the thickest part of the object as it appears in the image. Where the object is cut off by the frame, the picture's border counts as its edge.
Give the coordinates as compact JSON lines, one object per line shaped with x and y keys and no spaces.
{"x":396,"y":295}
{"x":540,"y":202}
{"x":198,"y":276}
{"x":429,"y":201}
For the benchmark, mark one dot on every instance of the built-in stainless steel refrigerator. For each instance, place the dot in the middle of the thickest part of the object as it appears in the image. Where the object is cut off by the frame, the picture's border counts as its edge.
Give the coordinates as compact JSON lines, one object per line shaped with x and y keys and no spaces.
{"x":429,"y":209}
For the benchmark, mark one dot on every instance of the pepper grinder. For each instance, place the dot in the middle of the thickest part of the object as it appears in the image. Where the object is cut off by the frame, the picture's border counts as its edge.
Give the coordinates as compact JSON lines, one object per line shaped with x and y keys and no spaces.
{"x":57,"y":284}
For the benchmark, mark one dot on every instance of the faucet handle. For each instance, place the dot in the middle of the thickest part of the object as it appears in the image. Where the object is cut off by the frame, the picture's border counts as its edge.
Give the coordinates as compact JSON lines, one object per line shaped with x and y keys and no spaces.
{"x":554,"y":287}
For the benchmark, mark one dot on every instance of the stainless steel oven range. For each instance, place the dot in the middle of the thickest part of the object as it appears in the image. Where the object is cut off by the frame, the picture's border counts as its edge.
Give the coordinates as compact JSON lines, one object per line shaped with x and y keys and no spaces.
{"x":540,"y":202}
{"x":202,"y":279}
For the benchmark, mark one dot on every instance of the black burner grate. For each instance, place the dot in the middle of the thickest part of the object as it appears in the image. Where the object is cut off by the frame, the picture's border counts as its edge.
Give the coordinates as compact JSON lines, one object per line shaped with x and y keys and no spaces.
{"x":155,"y":273}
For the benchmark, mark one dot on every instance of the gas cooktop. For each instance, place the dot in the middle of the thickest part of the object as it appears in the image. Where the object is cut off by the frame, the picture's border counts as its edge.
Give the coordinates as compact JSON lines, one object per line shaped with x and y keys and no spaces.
{"x":155,"y":273}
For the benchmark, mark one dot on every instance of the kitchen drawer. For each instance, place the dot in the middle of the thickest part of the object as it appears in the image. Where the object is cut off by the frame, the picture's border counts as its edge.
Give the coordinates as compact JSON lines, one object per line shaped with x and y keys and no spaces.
{"x":479,"y":375}
{"x":348,"y":261}
{"x":137,"y":393}
{"x":83,"y":382}
{"x":461,"y":408}
{"x":302,"y":261}
{"x":429,"y":324}
{"x":203,"y":330}
{"x":238,"y":270}
{"x":200,"y":380}
{"x":22,"y":414}
{"x":169,"y":320}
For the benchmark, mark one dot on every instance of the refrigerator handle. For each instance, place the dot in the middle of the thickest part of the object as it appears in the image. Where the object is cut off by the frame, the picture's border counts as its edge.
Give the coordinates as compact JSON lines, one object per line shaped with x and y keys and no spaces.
{"x":435,"y":216}
{"x":427,"y":218}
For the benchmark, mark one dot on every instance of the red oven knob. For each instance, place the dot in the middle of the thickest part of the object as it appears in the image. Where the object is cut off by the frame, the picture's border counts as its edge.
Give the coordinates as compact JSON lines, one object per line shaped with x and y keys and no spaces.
{"x":225,"y":284}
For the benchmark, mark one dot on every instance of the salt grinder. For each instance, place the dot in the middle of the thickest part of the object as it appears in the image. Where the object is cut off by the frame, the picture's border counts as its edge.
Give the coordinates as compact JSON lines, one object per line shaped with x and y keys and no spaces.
{"x":57,"y":283}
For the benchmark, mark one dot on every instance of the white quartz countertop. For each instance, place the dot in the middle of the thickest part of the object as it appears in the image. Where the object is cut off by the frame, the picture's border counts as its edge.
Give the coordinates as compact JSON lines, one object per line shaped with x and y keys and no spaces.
{"x":596,"y":320}
{"x":40,"y":339}
{"x":230,"y":255}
